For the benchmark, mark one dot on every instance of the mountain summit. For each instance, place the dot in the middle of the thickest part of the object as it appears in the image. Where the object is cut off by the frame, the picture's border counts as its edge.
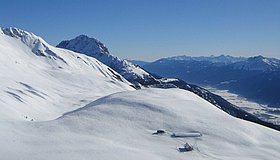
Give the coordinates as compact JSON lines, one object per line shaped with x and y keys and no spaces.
{"x":139,"y":77}
{"x":94,"y":48}
{"x":83,"y":44}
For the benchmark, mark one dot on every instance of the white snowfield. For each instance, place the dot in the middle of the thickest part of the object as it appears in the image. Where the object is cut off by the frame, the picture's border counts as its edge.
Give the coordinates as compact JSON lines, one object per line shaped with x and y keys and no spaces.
{"x":60,"y":105}
{"x":120,"y":127}
{"x":41,"y":82}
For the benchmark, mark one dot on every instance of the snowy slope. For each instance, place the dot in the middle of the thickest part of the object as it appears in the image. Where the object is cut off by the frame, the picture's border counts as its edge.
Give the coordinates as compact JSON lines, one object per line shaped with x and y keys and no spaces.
{"x":58,"y":104}
{"x":41,"y":82}
{"x":94,"y":48}
{"x":120,"y":126}
{"x":171,"y":66}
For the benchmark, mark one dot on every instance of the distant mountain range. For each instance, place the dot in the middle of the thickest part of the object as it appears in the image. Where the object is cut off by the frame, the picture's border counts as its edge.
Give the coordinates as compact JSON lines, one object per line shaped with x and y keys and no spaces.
{"x":143,"y":78}
{"x":255,"y":78}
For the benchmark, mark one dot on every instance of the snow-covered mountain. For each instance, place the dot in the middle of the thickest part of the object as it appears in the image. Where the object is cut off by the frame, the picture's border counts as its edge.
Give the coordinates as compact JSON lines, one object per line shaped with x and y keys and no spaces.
{"x":59,"y":104}
{"x":256,"y":63}
{"x":41,"y":82}
{"x":94,"y":48}
{"x":259,"y":63}
{"x":136,"y":75}
{"x":255,"y":78}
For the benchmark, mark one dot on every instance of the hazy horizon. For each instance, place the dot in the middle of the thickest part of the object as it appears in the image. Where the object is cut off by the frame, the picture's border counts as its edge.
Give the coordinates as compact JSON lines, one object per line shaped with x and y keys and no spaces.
{"x":149,"y":30}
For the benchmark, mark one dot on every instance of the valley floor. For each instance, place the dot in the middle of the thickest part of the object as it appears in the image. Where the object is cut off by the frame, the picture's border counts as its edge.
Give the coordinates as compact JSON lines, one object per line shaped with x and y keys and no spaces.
{"x":264,"y":112}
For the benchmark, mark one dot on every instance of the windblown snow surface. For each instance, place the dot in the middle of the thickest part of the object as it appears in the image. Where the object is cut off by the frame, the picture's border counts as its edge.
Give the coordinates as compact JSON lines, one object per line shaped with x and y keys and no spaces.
{"x":61,"y":105}
{"x":120,"y":126}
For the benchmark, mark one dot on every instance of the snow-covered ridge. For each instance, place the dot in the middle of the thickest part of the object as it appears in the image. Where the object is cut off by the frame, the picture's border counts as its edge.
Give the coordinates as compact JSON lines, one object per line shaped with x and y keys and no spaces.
{"x":37,"y":44}
{"x":140,"y":77}
{"x":94,"y":48}
{"x":259,"y":63}
{"x":89,"y":46}
{"x":41,"y":82}
{"x":121,"y":126}
{"x":108,"y":119}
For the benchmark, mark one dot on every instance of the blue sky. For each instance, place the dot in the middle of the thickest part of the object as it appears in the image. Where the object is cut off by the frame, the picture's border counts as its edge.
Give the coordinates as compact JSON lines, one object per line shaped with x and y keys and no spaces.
{"x":150,"y":29}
